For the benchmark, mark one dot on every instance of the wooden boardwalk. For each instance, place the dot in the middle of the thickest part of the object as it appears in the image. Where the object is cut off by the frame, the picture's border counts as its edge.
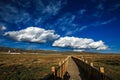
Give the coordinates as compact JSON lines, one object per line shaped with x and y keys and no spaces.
{"x":73,"y":70}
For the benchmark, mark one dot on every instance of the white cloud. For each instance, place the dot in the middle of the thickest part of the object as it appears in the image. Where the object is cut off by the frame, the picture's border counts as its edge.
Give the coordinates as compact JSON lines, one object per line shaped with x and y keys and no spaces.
{"x":96,"y":24}
{"x":2,"y":28}
{"x":80,"y":43}
{"x":54,"y":7}
{"x":100,"y":6}
{"x":114,"y":7}
{"x":78,"y":50}
{"x":82,"y":11}
{"x":32,"y":34}
{"x":11,"y":14}
{"x":69,"y":33}
{"x":67,"y":20}
{"x":83,"y":27}
{"x":109,"y":21}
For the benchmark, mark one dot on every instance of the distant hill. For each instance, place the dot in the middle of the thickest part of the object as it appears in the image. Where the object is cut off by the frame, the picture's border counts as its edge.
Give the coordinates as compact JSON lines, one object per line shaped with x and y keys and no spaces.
{"x":17,"y":50}
{"x":6,"y":49}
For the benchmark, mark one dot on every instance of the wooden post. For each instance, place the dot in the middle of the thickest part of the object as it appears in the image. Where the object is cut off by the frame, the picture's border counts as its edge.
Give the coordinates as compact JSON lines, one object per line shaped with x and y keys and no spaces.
{"x":62,"y":71}
{"x":102,"y":69}
{"x":59,"y":63}
{"x":63,"y":67}
{"x":53,"y":68}
{"x":86,"y":61}
{"x":54,"y":71}
{"x":83,"y":60}
{"x":60,"y":75}
{"x":79,"y":58}
{"x":91,"y":64}
{"x":66,"y":65}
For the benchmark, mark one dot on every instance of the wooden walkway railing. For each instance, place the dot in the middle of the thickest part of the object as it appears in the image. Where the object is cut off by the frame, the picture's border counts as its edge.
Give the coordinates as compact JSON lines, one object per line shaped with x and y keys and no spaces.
{"x":91,"y":73}
{"x":60,"y":70}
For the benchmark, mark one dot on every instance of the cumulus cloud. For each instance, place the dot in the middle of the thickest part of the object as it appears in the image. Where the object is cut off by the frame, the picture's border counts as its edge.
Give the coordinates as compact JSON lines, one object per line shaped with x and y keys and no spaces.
{"x":32,"y":34}
{"x":2,"y":28}
{"x":79,"y":43}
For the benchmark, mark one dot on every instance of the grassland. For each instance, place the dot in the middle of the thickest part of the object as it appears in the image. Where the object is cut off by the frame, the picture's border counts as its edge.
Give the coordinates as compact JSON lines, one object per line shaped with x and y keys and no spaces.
{"x":111,"y":63}
{"x":36,"y":66}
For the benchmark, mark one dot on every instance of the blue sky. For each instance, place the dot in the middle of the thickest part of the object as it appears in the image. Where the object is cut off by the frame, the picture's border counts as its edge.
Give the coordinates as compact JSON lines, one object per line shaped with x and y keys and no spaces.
{"x":76,"y":25}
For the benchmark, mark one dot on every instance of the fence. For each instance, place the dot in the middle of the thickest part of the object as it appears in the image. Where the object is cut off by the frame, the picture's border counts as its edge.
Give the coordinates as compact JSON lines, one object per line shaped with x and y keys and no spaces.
{"x":91,"y":73}
{"x":61,"y":70}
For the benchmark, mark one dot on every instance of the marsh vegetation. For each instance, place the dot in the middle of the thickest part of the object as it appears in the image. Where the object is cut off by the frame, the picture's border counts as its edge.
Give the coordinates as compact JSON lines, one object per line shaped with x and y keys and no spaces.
{"x":36,"y":66}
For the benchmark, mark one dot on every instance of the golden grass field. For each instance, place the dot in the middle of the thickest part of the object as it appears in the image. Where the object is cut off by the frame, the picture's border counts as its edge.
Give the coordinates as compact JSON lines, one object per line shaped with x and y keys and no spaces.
{"x":36,"y":66}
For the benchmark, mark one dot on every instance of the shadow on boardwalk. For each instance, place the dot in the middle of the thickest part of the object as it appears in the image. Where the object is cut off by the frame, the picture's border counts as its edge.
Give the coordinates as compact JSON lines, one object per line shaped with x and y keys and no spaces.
{"x":82,"y":74}
{"x":66,"y":76}
{"x":73,"y":73}
{"x":51,"y":77}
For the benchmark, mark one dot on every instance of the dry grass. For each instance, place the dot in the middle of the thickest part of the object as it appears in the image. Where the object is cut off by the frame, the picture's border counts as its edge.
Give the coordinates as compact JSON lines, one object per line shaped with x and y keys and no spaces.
{"x":26,"y":66}
{"x":111,"y":63}
{"x":36,"y":66}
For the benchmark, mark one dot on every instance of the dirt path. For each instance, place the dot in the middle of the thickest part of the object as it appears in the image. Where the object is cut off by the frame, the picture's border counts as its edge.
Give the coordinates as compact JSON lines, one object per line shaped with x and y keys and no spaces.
{"x":73,"y":70}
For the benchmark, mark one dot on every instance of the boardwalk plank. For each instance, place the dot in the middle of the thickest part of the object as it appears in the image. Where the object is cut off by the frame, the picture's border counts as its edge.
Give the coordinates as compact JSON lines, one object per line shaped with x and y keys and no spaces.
{"x":73,"y":70}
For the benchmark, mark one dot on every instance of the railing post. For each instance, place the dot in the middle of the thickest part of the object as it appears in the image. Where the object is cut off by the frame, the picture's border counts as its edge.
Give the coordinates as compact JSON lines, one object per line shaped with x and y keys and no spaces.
{"x":86,"y":61}
{"x":53,"y":69}
{"x":83,"y":60}
{"x":102,"y":69}
{"x":63,"y":69}
{"x":54,"y":72}
{"x":67,"y":65}
{"x":60,"y":75}
{"x":91,"y":72}
{"x":91,"y":64}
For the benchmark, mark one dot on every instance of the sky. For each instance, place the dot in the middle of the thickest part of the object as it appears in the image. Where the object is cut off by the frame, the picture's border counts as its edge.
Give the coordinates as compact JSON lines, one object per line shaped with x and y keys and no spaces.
{"x":61,"y":25}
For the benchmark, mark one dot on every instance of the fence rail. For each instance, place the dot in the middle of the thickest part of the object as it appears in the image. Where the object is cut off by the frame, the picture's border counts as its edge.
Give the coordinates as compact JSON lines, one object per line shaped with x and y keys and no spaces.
{"x":91,"y":73}
{"x":60,"y":71}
